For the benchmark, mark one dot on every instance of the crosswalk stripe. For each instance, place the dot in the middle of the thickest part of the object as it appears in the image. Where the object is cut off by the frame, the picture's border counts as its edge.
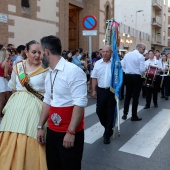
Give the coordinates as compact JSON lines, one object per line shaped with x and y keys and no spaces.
{"x":96,"y":131}
{"x":93,"y":133}
{"x":146,"y":140}
{"x":90,"y":110}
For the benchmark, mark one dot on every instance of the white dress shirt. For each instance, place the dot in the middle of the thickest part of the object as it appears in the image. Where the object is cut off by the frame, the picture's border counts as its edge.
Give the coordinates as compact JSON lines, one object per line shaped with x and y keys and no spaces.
{"x":69,"y":87}
{"x":153,"y":63}
{"x":102,"y":72}
{"x":133,"y":63}
{"x":164,"y":65}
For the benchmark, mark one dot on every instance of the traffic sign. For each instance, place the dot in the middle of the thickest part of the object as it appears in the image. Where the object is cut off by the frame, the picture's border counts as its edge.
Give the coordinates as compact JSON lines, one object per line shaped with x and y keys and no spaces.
{"x":3,"y":18}
{"x":89,"y":32}
{"x":89,"y":22}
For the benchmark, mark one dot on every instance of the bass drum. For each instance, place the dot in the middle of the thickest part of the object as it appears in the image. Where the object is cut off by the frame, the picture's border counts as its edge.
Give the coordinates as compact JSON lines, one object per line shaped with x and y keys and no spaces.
{"x":150,"y":76}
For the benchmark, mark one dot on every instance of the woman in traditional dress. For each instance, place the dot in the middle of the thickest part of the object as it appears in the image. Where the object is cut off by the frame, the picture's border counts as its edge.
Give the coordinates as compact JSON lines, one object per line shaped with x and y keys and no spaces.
{"x":19,"y":149}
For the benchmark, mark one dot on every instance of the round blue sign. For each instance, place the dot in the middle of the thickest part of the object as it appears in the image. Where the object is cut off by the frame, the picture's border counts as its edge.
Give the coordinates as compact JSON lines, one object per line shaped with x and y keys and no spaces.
{"x":89,"y":22}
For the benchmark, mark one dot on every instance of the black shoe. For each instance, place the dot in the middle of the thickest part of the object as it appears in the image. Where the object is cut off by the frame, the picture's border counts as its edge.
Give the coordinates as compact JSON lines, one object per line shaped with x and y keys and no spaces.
{"x":156,"y":105}
{"x":106,"y":141}
{"x":162,"y":96}
{"x":124,"y":117}
{"x":146,"y":107}
{"x":166,"y":97}
{"x":136,"y":119}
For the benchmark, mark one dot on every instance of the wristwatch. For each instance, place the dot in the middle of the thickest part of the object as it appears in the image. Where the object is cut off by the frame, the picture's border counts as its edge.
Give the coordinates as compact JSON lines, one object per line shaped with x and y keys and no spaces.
{"x":39,"y":127}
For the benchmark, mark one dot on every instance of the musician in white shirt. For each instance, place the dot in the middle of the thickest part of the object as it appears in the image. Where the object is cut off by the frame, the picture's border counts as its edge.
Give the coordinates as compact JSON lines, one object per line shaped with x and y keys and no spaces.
{"x":165,"y":79}
{"x":158,"y":55}
{"x":133,"y":66}
{"x":152,"y":89}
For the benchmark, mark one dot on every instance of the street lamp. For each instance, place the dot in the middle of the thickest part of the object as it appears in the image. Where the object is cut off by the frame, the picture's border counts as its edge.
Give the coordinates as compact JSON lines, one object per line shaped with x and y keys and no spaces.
{"x":136,"y":25}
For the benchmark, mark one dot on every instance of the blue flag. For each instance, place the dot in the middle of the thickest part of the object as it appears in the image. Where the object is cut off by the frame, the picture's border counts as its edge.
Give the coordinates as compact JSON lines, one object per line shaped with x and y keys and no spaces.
{"x":116,"y":74}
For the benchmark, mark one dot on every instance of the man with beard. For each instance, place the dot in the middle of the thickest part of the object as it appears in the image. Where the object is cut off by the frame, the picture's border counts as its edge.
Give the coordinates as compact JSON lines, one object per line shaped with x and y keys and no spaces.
{"x":63,"y":105}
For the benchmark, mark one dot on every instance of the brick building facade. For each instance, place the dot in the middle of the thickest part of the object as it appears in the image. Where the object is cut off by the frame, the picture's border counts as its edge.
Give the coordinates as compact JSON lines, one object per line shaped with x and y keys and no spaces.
{"x":33,"y":19}
{"x":169,"y":27}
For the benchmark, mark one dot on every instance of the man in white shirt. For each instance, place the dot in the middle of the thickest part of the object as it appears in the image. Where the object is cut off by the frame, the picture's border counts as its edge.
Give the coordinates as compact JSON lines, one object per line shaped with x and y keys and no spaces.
{"x":101,"y":77}
{"x":133,"y":66}
{"x":63,"y":105}
{"x":152,"y":89}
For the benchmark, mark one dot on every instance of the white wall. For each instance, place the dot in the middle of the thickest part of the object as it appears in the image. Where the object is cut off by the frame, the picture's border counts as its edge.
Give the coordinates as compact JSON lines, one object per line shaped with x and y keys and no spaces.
{"x":125,"y":12}
{"x":26,"y":30}
{"x":48,"y":10}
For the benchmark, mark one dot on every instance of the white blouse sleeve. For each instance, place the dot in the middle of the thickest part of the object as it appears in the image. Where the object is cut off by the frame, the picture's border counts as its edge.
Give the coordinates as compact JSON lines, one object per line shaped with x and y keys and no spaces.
{"x":12,"y":82}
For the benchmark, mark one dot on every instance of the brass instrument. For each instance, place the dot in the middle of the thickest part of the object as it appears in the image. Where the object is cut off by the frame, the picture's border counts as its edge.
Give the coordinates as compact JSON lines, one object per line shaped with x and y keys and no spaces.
{"x":168,"y":73}
{"x":164,"y":72}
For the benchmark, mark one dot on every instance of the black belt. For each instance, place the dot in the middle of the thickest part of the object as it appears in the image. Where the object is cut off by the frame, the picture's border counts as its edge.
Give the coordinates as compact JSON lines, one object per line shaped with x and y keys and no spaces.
{"x":107,"y":88}
{"x":133,"y":74}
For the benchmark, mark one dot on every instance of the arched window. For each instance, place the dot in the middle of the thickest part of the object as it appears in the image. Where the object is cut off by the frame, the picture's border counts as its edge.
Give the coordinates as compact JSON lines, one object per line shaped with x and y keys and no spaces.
{"x":107,"y":12}
{"x":25,"y":3}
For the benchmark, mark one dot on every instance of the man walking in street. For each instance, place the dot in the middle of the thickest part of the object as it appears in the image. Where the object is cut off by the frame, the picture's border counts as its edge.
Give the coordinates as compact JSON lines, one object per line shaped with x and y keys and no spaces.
{"x":133,"y":66}
{"x":101,"y":77}
{"x":63,"y":105}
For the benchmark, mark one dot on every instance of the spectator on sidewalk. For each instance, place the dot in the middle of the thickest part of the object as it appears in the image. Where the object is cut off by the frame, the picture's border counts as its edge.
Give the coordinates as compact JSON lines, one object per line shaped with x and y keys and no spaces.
{"x":21,"y":55}
{"x":75,"y":59}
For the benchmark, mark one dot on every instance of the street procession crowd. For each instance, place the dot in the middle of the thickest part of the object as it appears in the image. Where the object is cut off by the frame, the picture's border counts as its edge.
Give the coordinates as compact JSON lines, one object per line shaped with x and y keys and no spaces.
{"x":43,"y":93}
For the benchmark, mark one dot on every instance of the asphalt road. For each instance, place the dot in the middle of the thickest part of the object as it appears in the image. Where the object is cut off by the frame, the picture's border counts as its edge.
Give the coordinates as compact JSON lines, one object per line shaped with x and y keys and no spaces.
{"x":143,"y":145}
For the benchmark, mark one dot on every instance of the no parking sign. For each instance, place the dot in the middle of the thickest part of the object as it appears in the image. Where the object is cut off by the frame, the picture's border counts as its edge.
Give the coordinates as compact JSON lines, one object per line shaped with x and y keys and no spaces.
{"x":89,"y":22}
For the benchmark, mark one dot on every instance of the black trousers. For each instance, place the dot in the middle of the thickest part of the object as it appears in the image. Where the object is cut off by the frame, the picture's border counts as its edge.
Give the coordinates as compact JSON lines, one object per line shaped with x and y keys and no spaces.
{"x":153,"y":91}
{"x":105,"y":109}
{"x":165,"y":86}
{"x":133,"y":88}
{"x":143,"y":88}
{"x":158,"y":79}
{"x":61,"y":158}
{"x":123,"y":84}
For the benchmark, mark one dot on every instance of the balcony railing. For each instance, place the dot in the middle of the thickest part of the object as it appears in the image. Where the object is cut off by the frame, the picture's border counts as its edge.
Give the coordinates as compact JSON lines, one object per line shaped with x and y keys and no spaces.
{"x":157,"y":4}
{"x":156,"y":39}
{"x":157,"y":21}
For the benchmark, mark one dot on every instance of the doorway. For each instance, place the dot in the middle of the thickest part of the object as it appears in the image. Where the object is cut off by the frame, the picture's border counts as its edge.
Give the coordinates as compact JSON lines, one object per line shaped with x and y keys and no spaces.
{"x":73,"y":27}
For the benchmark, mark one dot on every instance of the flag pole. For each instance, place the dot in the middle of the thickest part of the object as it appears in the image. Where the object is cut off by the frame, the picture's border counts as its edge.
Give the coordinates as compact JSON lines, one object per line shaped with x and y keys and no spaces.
{"x":118,"y":117}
